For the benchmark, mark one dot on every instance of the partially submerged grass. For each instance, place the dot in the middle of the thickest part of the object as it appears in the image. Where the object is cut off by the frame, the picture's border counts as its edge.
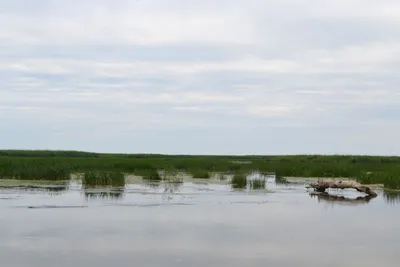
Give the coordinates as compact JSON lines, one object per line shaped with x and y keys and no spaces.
{"x":239,"y":181}
{"x":389,"y":178}
{"x":152,"y":175}
{"x":200,"y":174}
{"x":103,"y":178}
{"x":57,"y":165}
{"x":256,"y":184}
{"x":34,"y":172}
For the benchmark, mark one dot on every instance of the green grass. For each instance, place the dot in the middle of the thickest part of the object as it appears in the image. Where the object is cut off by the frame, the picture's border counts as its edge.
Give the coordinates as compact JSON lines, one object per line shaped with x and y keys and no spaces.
{"x":102,"y":178}
{"x":152,"y":175}
{"x":200,"y":174}
{"x":257,"y":184}
{"x":31,"y":170}
{"x":239,"y":181}
{"x":58,"y":165}
{"x":389,"y":178}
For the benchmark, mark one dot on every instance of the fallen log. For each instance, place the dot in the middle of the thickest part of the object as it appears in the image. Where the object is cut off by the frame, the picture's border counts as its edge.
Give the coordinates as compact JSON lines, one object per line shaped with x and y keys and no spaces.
{"x":322,"y":185}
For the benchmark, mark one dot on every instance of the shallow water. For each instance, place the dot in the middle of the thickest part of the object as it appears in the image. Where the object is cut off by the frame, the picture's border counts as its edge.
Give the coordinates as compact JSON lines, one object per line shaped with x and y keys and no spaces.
{"x":196,"y":224}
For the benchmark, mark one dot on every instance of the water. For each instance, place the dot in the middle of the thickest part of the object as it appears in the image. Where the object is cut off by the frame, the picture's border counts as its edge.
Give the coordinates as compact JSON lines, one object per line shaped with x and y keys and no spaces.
{"x":196,"y":224}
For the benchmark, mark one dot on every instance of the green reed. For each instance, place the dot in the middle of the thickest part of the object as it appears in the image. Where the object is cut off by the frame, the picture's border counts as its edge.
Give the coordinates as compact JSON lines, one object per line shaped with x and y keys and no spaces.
{"x":103,"y":178}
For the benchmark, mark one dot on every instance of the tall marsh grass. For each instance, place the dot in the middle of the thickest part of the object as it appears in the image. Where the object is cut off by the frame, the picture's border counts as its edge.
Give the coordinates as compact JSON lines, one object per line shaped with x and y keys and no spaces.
{"x":58,"y":165}
{"x":239,"y":181}
{"x":102,"y":178}
{"x":200,"y":174}
{"x":257,"y":184}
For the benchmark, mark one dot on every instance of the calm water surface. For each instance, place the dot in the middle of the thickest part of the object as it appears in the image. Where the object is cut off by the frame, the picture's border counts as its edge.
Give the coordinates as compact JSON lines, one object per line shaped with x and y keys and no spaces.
{"x":196,"y":224}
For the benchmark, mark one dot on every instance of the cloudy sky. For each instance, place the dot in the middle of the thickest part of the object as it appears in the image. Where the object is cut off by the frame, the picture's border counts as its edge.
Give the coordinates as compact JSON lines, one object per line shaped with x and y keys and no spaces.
{"x":201,"y":77}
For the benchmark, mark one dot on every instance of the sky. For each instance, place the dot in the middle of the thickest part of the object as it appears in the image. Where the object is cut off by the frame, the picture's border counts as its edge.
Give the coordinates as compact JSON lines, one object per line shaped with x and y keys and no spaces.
{"x":201,"y":77}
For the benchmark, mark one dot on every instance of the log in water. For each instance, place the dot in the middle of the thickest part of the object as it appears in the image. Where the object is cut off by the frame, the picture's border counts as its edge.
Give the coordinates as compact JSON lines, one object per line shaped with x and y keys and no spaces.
{"x":322,"y":185}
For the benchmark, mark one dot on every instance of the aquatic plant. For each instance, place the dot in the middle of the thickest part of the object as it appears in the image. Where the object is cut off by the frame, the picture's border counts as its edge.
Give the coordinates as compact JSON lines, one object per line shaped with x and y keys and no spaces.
{"x":103,"y":178}
{"x":200,"y":173}
{"x":239,"y":181}
{"x":58,"y":165}
{"x":256,"y":184}
{"x":152,"y":175}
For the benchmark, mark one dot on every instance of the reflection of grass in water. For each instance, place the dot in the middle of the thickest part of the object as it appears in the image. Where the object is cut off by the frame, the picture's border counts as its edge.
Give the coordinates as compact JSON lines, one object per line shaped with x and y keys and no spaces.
{"x":391,"y":197}
{"x":171,"y":188}
{"x":152,"y":184}
{"x":103,"y":178}
{"x":200,"y":174}
{"x":222,"y":176}
{"x":46,"y":188}
{"x":104,"y":195}
{"x":171,"y":175}
{"x":239,"y":181}
{"x":257,"y":184}
{"x":279,"y":180}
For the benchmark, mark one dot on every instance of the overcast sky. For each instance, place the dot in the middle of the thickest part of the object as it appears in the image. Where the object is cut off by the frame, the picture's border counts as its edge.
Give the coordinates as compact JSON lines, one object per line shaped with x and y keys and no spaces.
{"x":201,"y":77}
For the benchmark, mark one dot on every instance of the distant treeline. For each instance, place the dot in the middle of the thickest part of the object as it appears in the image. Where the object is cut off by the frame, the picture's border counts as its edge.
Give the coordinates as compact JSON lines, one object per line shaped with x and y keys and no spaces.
{"x":281,"y":158}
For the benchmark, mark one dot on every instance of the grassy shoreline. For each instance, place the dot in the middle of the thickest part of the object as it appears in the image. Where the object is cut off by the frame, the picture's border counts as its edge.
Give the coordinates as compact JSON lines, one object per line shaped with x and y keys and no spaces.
{"x":59,"y":165}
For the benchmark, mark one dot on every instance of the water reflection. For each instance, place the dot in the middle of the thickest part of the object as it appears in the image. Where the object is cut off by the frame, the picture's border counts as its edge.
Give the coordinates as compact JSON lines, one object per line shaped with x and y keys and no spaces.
{"x":166,"y":189}
{"x":152,"y":184}
{"x":257,"y":184}
{"x":58,"y":188}
{"x":169,"y":190}
{"x":104,"y":194}
{"x":279,"y":180}
{"x":335,"y":199}
{"x":392,"y":197}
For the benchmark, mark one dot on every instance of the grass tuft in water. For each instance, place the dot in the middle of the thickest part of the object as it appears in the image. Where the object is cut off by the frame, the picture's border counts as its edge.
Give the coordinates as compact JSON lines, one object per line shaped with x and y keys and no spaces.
{"x":103,"y":178}
{"x":239,"y":181}
{"x":152,"y":175}
{"x":257,"y":184}
{"x":200,"y":174}
{"x":390,"y":178}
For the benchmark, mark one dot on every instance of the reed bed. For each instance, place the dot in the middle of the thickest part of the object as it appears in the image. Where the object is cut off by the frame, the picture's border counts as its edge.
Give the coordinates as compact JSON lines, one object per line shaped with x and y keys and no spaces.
{"x":239,"y":181}
{"x":200,"y":174}
{"x":58,"y":165}
{"x":103,"y":178}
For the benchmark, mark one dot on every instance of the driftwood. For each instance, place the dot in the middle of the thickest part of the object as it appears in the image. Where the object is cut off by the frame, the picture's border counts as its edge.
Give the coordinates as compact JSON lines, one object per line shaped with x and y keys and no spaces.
{"x":322,"y":185}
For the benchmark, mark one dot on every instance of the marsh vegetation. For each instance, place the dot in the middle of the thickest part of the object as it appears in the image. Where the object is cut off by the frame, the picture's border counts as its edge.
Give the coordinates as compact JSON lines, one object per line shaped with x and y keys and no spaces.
{"x":102,"y":168}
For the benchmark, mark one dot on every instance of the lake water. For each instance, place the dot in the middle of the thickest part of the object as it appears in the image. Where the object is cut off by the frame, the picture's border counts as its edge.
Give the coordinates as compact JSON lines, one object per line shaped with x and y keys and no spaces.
{"x":196,"y":224}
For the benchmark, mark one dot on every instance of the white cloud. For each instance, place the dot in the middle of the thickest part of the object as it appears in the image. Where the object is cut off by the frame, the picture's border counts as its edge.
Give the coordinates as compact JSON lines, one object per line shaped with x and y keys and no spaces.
{"x":217,"y":66}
